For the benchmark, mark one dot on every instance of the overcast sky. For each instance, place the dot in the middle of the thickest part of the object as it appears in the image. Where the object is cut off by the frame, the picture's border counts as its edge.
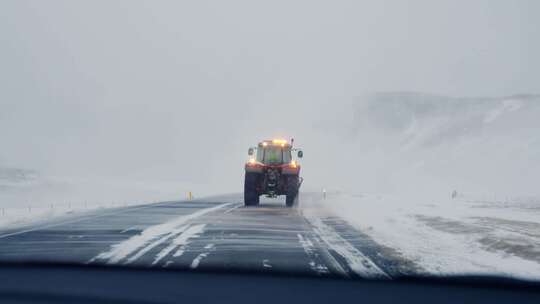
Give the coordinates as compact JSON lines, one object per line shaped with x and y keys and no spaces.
{"x":180,"y":89}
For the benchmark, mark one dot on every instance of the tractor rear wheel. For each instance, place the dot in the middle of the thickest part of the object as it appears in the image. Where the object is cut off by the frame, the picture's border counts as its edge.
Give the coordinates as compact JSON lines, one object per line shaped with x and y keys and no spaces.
{"x":291,"y":199}
{"x":251,"y":197}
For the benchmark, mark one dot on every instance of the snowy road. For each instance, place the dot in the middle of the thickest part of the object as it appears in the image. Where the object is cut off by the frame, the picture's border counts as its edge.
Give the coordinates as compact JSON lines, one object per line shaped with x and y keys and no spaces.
{"x":208,"y":234}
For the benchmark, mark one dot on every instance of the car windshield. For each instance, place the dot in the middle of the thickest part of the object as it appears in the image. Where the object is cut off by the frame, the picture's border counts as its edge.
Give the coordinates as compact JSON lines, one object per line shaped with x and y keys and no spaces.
{"x":350,"y":139}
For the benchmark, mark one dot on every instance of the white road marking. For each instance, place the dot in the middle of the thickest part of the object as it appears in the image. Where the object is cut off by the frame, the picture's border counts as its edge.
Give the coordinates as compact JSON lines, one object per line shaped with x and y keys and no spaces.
{"x":150,"y":237}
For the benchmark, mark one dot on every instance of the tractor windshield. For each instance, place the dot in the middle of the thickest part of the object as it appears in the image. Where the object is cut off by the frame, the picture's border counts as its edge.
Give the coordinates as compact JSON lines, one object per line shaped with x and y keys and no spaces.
{"x":273,"y":155}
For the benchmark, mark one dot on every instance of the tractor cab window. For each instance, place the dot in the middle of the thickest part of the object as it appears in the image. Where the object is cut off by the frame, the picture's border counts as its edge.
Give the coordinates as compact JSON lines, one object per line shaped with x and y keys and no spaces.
{"x":260,"y":154}
{"x":287,"y":156}
{"x":273,"y":155}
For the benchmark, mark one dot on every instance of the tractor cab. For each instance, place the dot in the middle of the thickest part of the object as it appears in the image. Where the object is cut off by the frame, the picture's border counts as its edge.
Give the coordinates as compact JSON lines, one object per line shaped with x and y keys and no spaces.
{"x":273,"y":153}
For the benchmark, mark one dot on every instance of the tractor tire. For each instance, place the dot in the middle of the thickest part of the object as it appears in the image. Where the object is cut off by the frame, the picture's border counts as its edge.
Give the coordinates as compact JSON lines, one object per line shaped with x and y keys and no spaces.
{"x":291,"y":199}
{"x":251,"y":197}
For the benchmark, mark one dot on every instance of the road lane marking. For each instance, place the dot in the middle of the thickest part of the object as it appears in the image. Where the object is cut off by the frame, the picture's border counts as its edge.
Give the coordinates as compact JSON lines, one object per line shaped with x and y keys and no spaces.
{"x":150,"y":237}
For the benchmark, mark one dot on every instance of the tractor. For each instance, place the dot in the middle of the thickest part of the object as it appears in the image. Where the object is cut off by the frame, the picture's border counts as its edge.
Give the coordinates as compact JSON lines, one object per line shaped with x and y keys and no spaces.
{"x":271,"y":171}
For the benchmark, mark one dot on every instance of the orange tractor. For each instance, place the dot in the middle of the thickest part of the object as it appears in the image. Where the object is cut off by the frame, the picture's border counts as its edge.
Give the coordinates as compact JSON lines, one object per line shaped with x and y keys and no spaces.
{"x":272,"y":171}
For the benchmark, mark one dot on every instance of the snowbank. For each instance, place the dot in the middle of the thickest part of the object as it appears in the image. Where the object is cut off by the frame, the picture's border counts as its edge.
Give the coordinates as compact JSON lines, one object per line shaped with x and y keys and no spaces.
{"x":447,"y":236}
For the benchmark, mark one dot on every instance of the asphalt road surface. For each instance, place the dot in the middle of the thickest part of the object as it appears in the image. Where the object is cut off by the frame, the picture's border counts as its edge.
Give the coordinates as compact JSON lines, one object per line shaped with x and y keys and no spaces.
{"x":216,"y":233}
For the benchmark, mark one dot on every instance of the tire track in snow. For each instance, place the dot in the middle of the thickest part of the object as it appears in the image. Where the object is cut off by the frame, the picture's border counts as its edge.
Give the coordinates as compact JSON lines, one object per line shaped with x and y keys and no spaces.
{"x":359,"y":263}
{"x":310,"y":250}
{"x":150,"y":237}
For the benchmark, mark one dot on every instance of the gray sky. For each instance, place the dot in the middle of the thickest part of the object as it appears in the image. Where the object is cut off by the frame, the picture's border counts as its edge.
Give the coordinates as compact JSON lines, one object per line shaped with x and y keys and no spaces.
{"x":178,"y":89}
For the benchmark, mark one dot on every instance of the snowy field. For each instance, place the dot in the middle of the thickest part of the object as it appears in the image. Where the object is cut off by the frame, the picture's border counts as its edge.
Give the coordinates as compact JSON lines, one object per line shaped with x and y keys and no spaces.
{"x":26,"y":197}
{"x":418,"y":149}
{"x":446,"y":236}
{"x":464,"y":235}
{"x":415,"y":148}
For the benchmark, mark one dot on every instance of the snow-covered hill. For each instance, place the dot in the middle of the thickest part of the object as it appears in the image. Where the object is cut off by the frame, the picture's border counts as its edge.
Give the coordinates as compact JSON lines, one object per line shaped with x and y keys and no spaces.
{"x":422,"y":143}
{"x":429,"y":120}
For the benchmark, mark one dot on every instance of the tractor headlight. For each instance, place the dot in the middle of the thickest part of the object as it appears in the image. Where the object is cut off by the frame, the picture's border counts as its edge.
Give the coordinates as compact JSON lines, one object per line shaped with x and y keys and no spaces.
{"x":293,"y":164}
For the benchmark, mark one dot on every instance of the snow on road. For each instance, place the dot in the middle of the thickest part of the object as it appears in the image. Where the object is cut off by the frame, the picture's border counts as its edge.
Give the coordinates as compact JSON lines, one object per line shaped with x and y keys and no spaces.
{"x":180,"y":241}
{"x":195,"y":263}
{"x":356,"y":260}
{"x":311,"y":252}
{"x":437,"y":236}
{"x":27,"y":197}
{"x":442,"y":236}
{"x":153,"y":236}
